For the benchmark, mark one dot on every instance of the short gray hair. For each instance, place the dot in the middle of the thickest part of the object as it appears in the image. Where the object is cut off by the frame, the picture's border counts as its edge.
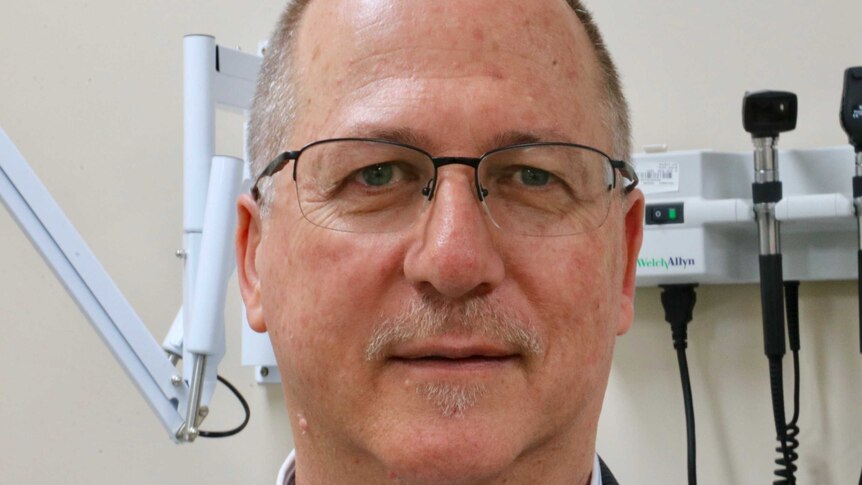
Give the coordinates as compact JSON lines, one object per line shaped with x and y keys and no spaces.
{"x":274,"y":109}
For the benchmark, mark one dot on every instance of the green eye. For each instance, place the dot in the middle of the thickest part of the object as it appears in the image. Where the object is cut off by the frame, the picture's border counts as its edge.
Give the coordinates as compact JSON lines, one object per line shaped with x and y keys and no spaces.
{"x":377,"y":175}
{"x":534,"y":177}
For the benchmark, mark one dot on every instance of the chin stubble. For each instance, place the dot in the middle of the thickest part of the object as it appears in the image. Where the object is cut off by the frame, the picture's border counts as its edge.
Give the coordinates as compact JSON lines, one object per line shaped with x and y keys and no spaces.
{"x":452,"y":400}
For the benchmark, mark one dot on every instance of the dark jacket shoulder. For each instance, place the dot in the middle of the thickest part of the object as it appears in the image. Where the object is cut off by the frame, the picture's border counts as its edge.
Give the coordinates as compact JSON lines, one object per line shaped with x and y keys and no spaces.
{"x":607,"y":476}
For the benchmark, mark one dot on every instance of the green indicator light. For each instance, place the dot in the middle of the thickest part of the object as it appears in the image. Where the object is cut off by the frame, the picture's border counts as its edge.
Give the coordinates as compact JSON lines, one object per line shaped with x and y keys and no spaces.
{"x":671,"y":213}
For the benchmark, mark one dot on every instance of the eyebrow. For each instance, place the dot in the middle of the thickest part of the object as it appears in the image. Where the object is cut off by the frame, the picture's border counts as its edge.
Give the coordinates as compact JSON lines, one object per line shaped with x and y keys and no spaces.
{"x":405,"y":136}
{"x":408,"y":136}
{"x":521,"y":137}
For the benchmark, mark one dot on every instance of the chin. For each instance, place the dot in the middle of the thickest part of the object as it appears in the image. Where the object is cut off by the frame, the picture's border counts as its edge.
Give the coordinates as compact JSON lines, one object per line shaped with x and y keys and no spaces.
{"x":458,"y":448}
{"x":452,"y":465}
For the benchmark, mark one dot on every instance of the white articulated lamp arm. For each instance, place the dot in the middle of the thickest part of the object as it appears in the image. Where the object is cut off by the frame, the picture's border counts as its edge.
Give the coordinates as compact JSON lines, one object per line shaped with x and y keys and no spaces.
{"x":213,"y":77}
{"x":87,"y":282}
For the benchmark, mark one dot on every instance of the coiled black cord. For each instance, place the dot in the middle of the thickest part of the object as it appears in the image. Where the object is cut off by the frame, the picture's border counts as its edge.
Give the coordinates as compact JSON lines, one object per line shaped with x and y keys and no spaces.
{"x":787,"y":433}
{"x":791,"y":302}
{"x":678,"y":302}
{"x":230,"y":432}
{"x":792,"y":429}
{"x":787,"y":471}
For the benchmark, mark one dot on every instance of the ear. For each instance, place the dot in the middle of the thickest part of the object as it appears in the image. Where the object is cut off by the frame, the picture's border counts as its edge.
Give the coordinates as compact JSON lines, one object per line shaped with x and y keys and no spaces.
{"x":632,"y":238}
{"x":248,"y":237}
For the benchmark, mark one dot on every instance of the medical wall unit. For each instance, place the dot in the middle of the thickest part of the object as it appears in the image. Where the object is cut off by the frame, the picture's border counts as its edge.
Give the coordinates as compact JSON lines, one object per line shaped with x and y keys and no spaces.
{"x":700,"y":221}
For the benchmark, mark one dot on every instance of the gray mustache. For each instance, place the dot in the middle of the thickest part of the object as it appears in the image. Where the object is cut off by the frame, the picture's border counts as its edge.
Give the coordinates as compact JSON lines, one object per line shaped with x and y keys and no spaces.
{"x":427,"y":317}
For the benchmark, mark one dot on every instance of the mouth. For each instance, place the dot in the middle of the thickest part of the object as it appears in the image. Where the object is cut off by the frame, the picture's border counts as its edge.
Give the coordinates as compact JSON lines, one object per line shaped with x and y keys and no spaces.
{"x":470,"y":364}
{"x":454,"y":357}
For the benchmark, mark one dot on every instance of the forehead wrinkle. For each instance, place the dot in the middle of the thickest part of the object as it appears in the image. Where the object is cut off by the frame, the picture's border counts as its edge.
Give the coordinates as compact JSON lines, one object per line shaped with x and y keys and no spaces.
{"x":476,"y":53}
{"x":370,"y":83}
{"x":440,"y":63}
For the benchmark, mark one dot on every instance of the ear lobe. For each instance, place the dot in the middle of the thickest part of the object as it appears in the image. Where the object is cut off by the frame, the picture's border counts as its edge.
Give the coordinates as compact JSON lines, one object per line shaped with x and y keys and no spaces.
{"x":248,"y":237}
{"x":633,"y":237}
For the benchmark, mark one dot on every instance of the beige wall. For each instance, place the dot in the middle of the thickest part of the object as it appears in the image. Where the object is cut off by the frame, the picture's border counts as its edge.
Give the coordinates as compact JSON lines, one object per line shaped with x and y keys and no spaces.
{"x":90,"y":91}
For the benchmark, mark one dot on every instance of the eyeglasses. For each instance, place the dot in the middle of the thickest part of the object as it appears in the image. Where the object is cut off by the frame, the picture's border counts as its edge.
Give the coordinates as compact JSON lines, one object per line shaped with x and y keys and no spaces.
{"x":377,"y":186}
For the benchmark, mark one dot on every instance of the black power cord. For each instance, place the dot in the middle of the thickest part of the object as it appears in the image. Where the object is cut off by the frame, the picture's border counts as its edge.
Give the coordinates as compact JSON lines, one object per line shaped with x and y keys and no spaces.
{"x":678,"y":302}
{"x":788,"y":433}
{"x":230,"y":432}
{"x":791,"y":302}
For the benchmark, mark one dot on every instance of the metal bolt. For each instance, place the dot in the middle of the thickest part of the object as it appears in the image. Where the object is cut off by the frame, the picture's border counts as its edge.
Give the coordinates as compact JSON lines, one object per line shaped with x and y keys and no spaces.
{"x":180,"y":254}
{"x":176,"y":380}
{"x":264,"y":371}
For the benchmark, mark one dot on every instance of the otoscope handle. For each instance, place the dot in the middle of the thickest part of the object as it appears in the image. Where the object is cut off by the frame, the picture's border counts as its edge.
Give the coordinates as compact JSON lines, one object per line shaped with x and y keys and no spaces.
{"x":857,"y":197}
{"x":791,"y":297}
{"x":772,"y":304}
{"x":857,"y":186}
{"x":859,"y":286}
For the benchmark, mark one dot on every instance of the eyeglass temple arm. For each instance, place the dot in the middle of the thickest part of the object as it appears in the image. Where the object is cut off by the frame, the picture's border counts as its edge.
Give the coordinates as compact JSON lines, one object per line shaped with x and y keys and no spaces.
{"x":273,"y":168}
{"x":628,"y":172}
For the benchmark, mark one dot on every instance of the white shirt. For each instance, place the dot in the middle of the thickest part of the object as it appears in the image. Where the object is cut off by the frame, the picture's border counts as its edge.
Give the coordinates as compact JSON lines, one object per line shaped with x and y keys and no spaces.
{"x":286,"y":474}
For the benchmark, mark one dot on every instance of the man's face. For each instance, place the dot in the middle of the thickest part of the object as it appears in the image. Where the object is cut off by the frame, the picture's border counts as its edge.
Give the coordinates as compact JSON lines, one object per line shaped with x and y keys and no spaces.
{"x":457,"y":79}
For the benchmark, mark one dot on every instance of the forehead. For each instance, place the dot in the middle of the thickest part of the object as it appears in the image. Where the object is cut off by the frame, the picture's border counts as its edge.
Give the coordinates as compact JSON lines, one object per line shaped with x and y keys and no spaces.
{"x":436,"y":66}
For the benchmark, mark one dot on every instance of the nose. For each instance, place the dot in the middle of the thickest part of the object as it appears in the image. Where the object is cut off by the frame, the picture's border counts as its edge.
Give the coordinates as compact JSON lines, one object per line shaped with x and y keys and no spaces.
{"x":454,"y":251}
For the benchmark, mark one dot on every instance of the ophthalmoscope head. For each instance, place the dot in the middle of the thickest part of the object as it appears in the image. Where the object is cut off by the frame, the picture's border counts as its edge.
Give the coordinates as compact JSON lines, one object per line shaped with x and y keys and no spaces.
{"x":851,"y":106}
{"x":765,"y":114}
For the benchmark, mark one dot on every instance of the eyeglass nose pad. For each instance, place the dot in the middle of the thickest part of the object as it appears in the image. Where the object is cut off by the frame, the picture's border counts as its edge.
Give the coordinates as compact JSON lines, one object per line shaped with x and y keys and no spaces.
{"x":428,"y":190}
{"x":483,"y":192}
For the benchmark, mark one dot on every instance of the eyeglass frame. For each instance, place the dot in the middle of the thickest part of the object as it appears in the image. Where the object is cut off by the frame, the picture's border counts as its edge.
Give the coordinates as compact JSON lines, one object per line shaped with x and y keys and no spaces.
{"x":278,"y":163}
